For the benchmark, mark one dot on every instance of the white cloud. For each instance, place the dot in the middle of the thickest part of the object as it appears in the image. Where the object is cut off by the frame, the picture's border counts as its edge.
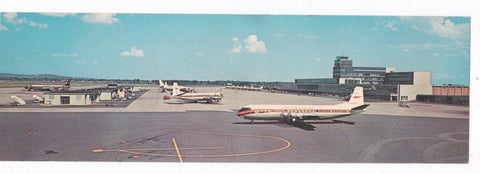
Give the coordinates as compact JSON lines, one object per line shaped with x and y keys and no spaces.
{"x":439,"y":26}
{"x":21,"y":20}
{"x":250,"y":44}
{"x":278,"y":35}
{"x":12,"y":18}
{"x":81,"y":61}
{"x":253,"y":45}
{"x":65,"y":55}
{"x":446,"y":28}
{"x":415,"y":27}
{"x":133,"y":52}
{"x":100,"y":18}
{"x":3,"y":28}
{"x":58,"y":14}
{"x":436,"y":54}
{"x":406,"y":50}
{"x":237,"y":47}
{"x":418,"y":46}
{"x":318,"y":59}
{"x":199,"y":54}
{"x":94,"y":62}
{"x":41,"y":26}
{"x":391,"y":25}
{"x":306,"y":36}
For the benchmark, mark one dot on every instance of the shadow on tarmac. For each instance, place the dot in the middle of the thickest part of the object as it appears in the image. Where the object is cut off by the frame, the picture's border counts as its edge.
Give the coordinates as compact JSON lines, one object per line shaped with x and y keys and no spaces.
{"x":181,"y":102}
{"x":301,"y":125}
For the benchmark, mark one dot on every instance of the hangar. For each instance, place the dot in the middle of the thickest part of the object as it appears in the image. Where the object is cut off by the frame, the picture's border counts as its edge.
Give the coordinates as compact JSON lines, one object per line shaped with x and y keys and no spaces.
{"x":80,"y":97}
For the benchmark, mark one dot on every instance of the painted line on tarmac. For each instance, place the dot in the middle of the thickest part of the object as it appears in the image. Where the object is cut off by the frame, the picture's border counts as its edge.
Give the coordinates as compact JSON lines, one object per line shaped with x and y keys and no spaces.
{"x":178,"y":151}
{"x":138,"y":151}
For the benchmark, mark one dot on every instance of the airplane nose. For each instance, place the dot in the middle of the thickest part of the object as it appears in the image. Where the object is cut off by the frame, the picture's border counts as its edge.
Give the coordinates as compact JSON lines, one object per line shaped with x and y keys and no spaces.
{"x":240,"y":114}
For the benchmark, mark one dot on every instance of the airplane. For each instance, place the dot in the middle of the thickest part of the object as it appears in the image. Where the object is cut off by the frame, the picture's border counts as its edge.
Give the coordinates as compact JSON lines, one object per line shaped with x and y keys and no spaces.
{"x":252,"y":88}
{"x":165,"y":87}
{"x":230,"y":86}
{"x":195,"y":97}
{"x":48,"y":87}
{"x":298,"y":113}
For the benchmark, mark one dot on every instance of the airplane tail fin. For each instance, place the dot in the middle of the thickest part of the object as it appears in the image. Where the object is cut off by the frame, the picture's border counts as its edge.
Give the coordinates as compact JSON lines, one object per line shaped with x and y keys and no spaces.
{"x":357,"y":96}
{"x":176,"y":89}
{"x":160,"y":83}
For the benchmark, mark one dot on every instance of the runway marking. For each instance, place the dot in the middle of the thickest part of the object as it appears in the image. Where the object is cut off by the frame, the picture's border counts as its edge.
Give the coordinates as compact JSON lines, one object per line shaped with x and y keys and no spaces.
{"x":138,"y":151}
{"x":178,"y":152}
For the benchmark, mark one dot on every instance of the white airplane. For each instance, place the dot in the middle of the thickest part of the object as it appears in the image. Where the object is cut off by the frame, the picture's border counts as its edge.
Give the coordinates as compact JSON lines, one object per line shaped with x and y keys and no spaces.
{"x":253,"y":88}
{"x":299,"y":113}
{"x":48,"y":87}
{"x":230,"y":86}
{"x":195,"y":97}
{"x":165,"y":87}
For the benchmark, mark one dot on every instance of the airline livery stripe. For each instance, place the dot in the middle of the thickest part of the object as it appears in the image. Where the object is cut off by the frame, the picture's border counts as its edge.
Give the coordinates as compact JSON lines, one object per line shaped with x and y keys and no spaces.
{"x":201,"y":95}
{"x":295,"y":111}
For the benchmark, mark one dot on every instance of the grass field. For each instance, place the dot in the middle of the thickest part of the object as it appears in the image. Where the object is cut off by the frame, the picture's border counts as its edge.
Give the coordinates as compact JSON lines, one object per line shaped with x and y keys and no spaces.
{"x":14,"y":84}
{"x":21,"y":84}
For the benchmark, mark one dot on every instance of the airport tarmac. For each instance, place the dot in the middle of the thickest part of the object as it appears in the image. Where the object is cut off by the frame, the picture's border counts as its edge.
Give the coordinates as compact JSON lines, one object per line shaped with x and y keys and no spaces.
{"x":152,"y":101}
{"x":152,"y":130}
{"x":211,"y":136}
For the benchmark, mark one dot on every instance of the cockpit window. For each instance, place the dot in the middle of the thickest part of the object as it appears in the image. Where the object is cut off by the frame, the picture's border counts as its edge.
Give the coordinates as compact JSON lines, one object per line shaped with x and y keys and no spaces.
{"x":244,"y":109}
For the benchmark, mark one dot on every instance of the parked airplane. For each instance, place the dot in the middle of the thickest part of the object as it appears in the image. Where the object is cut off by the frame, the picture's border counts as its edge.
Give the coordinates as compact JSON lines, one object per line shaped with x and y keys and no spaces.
{"x":194,"y":97}
{"x":299,"y":113}
{"x":48,"y":87}
{"x":244,"y":87}
{"x":253,"y":88}
{"x":230,"y":86}
{"x":165,"y":87}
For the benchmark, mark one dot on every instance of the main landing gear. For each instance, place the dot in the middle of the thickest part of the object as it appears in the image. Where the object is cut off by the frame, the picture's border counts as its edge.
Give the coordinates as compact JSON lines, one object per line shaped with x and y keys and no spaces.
{"x":292,"y":120}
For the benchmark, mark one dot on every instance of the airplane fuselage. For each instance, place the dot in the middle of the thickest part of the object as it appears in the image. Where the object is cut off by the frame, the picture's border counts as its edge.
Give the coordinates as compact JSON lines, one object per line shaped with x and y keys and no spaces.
{"x":210,"y":97}
{"x":294,"y":113}
{"x":302,"y":112}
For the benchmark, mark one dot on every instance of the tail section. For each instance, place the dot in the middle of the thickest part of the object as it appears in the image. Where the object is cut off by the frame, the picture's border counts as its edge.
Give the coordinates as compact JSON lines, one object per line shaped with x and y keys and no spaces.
{"x":176,"y":89}
{"x":161,"y":83}
{"x":357,"y":96}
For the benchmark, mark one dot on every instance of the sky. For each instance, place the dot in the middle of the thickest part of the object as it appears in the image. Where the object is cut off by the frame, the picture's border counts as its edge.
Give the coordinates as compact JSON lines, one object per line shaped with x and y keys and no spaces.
{"x":230,"y":47}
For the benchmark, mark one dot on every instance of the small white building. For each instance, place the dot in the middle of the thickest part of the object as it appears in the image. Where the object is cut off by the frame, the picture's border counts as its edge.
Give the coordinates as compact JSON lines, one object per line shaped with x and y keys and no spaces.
{"x":409,"y":85}
{"x":72,"y":98}
{"x":108,"y":94}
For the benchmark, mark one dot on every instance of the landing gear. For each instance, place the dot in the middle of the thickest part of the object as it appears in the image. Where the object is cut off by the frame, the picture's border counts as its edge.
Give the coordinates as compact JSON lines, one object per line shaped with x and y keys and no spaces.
{"x":209,"y":101}
{"x":291,"y":120}
{"x":252,"y":123}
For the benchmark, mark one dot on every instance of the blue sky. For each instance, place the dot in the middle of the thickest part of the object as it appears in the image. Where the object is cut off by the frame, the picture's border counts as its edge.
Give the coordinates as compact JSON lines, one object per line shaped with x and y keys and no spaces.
{"x":230,"y":47}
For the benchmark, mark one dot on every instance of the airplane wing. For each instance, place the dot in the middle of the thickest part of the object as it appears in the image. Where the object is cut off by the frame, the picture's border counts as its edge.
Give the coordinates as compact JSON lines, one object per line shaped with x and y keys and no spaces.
{"x":302,"y":116}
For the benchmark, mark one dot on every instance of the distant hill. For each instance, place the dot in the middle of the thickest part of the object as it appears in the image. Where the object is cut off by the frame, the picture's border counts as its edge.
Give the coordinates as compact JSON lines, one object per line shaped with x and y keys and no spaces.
{"x":47,"y":77}
{"x":8,"y":76}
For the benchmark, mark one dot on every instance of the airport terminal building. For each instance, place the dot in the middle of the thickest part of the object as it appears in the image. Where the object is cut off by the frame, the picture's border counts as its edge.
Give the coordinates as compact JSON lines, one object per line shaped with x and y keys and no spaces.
{"x":379,"y":82}
{"x":345,"y":73}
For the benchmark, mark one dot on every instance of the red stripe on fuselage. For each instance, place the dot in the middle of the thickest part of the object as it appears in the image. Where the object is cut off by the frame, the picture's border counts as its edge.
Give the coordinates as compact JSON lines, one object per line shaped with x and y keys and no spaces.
{"x":253,"y":111}
{"x":201,"y":96}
